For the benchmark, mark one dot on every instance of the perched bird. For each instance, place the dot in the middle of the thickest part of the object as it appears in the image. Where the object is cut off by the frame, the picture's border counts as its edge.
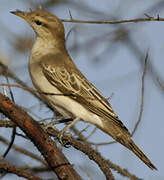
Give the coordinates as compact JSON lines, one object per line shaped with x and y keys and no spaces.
{"x":53,"y":71}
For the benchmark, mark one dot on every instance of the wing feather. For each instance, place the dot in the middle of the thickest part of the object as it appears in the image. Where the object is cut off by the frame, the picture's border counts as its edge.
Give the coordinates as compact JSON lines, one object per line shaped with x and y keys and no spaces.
{"x":75,"y":84}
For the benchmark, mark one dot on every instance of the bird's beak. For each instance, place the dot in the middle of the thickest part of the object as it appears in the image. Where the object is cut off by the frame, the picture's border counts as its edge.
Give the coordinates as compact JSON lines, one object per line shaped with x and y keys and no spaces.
{"x":21,"y":14}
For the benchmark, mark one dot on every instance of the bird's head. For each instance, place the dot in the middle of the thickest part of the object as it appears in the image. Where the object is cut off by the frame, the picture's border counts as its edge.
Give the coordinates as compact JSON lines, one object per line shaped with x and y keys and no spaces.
{"x":45,"y":24}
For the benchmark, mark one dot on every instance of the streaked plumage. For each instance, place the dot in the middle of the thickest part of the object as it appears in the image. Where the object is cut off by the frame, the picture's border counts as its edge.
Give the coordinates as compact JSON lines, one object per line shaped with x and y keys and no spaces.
{"x":53,"y":71}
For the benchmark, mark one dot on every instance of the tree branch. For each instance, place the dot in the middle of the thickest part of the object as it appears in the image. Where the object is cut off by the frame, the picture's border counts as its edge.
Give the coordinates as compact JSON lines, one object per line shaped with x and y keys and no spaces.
{"x":104,"y":164}
{"x":55,"y":158}
{"x":6,"y":167}
{"x":148,"y":18}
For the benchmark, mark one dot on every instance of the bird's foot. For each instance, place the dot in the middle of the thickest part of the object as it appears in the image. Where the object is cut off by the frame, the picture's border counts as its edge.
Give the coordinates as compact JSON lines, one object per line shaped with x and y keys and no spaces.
{"x":61,"y":139}
{"x":61,"y":133}
{"x":50,"y":125}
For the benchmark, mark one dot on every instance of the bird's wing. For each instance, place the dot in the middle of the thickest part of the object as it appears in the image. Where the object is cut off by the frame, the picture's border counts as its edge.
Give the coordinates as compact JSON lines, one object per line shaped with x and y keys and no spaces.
{"x":71,"y":82}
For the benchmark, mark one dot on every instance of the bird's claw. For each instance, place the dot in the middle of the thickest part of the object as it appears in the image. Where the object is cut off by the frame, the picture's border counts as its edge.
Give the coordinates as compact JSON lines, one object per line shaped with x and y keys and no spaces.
{"x":61,"y":140}
{"x":60,"y":137}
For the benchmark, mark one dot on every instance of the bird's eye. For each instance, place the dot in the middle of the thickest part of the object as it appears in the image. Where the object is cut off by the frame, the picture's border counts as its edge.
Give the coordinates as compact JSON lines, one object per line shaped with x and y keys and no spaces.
{"x":38,"y":22}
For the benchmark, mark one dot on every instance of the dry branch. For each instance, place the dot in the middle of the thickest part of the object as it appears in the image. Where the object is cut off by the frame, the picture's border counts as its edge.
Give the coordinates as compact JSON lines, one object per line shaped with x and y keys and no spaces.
{"x":104,"y":164}
{"x":6,"y":167}
{"x":148,"y":18}
{"x":54,"y":157}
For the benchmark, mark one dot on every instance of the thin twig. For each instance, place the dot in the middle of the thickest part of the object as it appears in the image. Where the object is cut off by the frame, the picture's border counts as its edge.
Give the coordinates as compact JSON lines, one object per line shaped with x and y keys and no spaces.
{"x":115,"y":21}
{"x":142,"y":96}
{"x":8,"y":168}
{"x":41,"y":92}
{"x":14,"y":127}
{"x":92,"y":132}
{"x":10,"y":74}
{"x":32,"y":90}
{"x":24,"y":151}
{"x":160,"y":83}
{"x":6,"y":123}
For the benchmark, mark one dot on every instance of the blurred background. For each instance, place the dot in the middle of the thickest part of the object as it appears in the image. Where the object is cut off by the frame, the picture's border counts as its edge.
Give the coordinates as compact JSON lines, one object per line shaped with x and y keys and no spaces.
{"x":112,"y":58}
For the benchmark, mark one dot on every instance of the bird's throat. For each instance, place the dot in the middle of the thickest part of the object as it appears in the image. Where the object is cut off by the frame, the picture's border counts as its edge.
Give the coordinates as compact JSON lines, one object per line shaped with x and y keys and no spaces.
{"x":43,"y":47}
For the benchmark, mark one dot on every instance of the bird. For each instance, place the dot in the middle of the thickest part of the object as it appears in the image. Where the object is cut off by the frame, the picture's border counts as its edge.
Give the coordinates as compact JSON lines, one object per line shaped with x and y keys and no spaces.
{"x":62,"y":85}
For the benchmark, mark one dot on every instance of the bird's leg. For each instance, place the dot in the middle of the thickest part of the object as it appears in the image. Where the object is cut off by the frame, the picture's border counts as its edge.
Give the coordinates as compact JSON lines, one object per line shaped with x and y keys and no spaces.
{"x":61,"y":133}
{"x":51,"y":124}
{"x":65,"y":120}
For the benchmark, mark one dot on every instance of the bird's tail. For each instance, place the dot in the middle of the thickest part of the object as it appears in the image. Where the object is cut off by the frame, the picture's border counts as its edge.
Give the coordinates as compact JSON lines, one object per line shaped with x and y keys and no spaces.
{"x":136,"y":150}
{"x":121,"y":135}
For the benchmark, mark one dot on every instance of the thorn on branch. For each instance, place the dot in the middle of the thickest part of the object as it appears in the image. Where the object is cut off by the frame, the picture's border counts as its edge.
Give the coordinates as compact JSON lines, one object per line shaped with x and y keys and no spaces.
{"x":71,"y":18}
{"x":158,"y":18}
{"x":150,"y":17}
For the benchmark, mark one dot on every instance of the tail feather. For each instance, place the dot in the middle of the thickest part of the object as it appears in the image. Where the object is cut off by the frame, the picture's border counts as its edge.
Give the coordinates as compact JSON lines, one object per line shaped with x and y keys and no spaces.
{"x":135,"y":149}
{"x":123,"y":136}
